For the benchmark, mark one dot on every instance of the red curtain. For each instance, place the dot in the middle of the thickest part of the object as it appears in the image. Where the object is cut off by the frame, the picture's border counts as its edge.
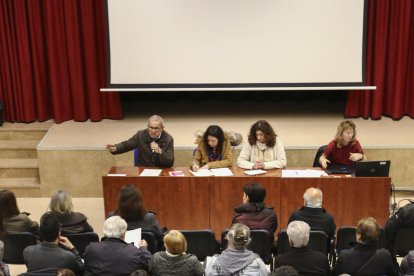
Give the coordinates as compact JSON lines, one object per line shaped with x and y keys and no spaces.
{"x":53,"y":61}
{"x":390,"y":62}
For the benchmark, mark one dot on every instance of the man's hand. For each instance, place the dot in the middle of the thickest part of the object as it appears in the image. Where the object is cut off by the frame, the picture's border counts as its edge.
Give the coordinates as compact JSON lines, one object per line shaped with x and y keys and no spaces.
{"x":143,"y":243}
{"x":66,"y":243}
{"x":155,"y":148}
{"x":111,"y":148}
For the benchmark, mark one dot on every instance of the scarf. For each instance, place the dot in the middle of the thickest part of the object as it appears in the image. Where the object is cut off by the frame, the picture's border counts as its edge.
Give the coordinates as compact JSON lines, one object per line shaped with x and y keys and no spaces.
{"x":232,"y":260}
{"x":263,"y":153}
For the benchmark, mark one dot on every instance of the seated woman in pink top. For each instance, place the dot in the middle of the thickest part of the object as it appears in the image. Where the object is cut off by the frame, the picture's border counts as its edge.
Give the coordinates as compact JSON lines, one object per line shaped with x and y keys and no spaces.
{"x":344,"y":149}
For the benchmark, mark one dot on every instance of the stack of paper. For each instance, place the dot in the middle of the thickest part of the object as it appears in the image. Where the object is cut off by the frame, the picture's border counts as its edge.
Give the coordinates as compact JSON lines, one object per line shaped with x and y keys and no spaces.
{"x":202,"y":172}
{"x":303,"y":173}
{"x":254,"y":172}
{"x":222,"y":172}
{"x":151,"y":172}
{"x":177,"y":173}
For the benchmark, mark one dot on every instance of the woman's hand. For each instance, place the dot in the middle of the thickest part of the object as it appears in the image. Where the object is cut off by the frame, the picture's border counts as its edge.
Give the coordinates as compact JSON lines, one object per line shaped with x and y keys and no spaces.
{"x":356,"y":156}
{"x":324,"y":162}
{"x":258,"y":165}
{"x":205,"y":167}
{"x":195,"y":168}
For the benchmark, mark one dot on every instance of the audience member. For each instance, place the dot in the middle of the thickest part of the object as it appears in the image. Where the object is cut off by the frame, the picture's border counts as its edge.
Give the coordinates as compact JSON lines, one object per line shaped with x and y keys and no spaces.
{"x":213,"y":150}
{"x":236,"y":259}
{"x":253,"y":212}
{"x":11,"y":220}
{"x":48,"y":255}
{"x":113,"y":256}
{"x":65,"y":272}
{"x":4,"y":268}
{"x":284,"y":270}
{"x":62,"y":207}
{"x":303,"y":259}
{"x":364,"y":258}
{"x":344,"y":149}
{"x":155,"y":145}
{"x":264,"y":150}
{"x":407,"y":264}
{"x":140,"y":272}
{"x":131,"y":209}
{"x":313,"y":214}
{"x":174,"y":261}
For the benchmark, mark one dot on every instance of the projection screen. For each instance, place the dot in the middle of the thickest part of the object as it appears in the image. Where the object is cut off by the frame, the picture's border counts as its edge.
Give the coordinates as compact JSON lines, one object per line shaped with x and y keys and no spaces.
{"x":242,"y":44}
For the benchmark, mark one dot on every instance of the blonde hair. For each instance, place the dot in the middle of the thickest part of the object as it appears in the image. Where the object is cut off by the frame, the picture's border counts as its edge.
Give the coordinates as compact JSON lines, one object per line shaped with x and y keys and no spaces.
{"x":61,"y":202}
{"x":368,"y":230}
{"x":175,"y":242}
{"x":238,"y":236}
{"x":344,"y":125}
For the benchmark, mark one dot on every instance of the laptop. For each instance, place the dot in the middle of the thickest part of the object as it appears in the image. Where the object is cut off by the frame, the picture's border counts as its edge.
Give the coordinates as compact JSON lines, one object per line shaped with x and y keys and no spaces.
{"x":340,"y":169}
{"x":372,"y":168}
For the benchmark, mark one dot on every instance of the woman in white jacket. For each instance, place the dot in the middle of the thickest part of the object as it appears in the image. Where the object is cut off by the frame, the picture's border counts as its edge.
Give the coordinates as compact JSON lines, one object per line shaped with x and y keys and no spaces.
{"x":264,"y":149}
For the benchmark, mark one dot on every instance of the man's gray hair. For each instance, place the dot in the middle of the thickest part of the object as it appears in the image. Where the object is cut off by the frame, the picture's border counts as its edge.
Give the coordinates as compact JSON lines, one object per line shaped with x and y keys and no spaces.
{"x":298,"y":232}
{"x":156,"y":118}
{"x":313,"y":197}
{"x":114,"y":227}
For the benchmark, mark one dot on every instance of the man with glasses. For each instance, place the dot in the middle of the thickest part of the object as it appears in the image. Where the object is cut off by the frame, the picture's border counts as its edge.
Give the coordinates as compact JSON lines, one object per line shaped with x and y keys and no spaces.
{"x":155,"y":146}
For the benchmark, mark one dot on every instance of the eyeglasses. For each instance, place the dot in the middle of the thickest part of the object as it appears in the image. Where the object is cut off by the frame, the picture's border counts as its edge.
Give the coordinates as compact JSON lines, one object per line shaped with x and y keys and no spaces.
{"x":154,"y":128}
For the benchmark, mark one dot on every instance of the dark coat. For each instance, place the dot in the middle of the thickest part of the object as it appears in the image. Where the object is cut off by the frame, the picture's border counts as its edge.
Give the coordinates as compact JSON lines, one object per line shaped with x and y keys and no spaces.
{"x":317,"y":218}
{"x":73,"y":222}
{"x":256,"y":216}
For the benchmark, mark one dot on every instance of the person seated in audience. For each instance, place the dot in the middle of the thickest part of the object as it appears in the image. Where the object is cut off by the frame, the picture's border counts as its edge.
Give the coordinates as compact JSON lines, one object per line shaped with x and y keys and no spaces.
{"x":306,"y":261}
{"x":154,"y":144}
{"x":253,"y":212}
{"x":213,"y":150}
{"x":55,"y":252}
{"x":264,"y":149}
{"x":407,"y":264}
{"x":62,"y":207}
{"x":113,"y":256}
{"x":131,"y":209}
{"x":65,"y":272}
{"x":140,"y":272}
{"x":4,"y":268}
{"x":364,"y":258}
{"x":344,"y":149}
{"x":174,"y":261}
{"x":236,"y":259}
{"x":11,"y":220}
{"x":284,"y":270}
{"x":313,"y":214}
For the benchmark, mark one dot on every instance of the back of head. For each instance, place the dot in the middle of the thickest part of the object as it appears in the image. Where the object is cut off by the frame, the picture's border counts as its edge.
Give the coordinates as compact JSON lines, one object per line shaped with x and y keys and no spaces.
{"x":238,"y":236}
{"x":8,"y":204}
{"x":266,"y":128}
{"x":255,"y":192}
{"x":313,"y":197}
{"x":140,"y":272}
{"x":49,"y":227}
{"x":130,"y":204}
{"x":298,"y":232}
{"x":368,"y":230}
{"x":114,"y":227}
{"x":61,"y":202}
{"x":285,"y":270}
{"x":65,"y":272}
{"x":175,"y":242}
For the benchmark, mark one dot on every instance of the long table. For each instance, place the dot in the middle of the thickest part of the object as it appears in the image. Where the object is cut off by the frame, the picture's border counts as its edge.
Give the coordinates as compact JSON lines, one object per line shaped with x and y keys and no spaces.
{"x":190,"y":202}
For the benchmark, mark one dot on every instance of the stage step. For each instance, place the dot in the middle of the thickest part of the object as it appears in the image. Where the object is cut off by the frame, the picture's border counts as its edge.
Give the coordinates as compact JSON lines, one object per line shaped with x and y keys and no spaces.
{"x":22,"y":186}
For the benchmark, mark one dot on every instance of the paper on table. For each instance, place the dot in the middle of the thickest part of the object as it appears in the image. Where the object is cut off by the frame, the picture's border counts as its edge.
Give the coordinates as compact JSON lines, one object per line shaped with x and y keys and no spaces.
{"x":133,"y":236}
{"x":254,"y":172}
{"x":222,"y":172}
{"x":151,"y":172}
{"x":177,"y":173}
{"x":116,"y":174}
{"x":303,"y":173}
{"x":202,"y":172}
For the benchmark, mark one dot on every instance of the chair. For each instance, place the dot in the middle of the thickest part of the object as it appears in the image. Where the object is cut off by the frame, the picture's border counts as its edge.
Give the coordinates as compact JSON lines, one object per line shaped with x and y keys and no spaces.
{"x":261,"y":243}
{"x":82,"y":240}
{"x":14,"y":244}
{"x":318,"y":155}
{"x":151,"y":239}
{"x":136,"y":157}
{"x":318,"y":241}
{"x":346,"y":238}
{"x":404,"y":241}
{"x":201,"y":243}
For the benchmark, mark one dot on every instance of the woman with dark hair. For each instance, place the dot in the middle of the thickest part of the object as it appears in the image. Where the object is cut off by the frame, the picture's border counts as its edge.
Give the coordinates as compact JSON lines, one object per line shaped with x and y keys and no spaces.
{"x":213,"y":151}
{"x":253,"y":212}
{"x":131,"y":209}
{"x":364,"y":258}
{"x":264,"y":150}
{"x":344,"y":149}
{"x":11,"y":220}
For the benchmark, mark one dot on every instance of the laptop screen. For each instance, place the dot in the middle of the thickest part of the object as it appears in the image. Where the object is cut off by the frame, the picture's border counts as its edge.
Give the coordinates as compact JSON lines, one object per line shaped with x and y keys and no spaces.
{"x":372,"y":168}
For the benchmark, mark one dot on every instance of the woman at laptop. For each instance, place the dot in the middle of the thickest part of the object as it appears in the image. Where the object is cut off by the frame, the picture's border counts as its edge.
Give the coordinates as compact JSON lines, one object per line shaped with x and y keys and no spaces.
{"x":344,"y":149}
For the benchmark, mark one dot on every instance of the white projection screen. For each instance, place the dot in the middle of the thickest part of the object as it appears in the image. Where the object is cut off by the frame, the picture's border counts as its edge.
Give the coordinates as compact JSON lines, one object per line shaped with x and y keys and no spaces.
{"x":235,"y":44}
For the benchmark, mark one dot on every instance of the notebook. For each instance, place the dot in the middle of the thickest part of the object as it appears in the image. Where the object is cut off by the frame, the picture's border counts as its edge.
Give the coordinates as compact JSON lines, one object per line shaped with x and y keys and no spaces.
{"x":372,"y":168}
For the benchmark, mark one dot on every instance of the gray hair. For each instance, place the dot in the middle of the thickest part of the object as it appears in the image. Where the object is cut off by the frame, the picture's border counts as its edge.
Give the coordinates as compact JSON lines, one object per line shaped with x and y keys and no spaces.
{"x":114,"y":227}
{"x":156,"y":118}
{"x":61,"y":202}
{"x":238,"y":236}
{"x":313,"y":197}
{"x":298,"y":232}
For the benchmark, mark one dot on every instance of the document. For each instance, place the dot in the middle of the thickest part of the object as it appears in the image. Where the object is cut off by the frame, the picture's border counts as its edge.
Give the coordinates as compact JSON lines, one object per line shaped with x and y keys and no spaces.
{"x":151,"y":172}
{"x":133,"y":236}
{"x":254,"y":172}
{"x":202,"y":172}
{"x":222,"y":172}
{"x":116,"y":174}
{"x":177,"y":173}
{"x":303,"y":173}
